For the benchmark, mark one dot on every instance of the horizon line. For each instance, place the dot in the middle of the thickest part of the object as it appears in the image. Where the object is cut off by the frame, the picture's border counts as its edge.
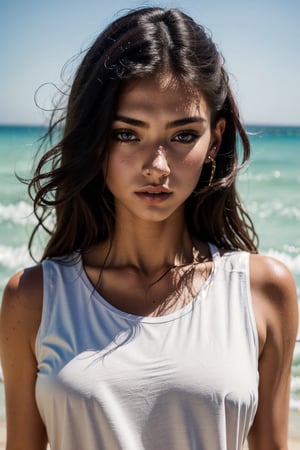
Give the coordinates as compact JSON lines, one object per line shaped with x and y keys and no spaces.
{"x":246,"y":124}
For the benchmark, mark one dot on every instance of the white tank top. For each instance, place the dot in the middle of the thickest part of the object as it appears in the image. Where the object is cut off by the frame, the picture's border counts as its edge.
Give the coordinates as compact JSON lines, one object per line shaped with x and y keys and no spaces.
{"x":109,"y":380}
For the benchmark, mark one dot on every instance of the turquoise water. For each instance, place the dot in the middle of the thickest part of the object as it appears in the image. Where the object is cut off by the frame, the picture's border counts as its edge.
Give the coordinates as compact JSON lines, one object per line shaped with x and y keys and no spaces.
{"x":270,"y":189}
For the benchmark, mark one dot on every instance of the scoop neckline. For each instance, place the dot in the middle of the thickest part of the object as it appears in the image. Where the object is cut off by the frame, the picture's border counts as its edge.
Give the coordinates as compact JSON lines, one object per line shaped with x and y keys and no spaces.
{"x":148,"y":319}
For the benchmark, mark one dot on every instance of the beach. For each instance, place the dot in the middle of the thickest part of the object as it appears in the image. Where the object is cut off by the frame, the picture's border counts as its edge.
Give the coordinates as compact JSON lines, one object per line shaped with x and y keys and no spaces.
{"x":294,"y":432}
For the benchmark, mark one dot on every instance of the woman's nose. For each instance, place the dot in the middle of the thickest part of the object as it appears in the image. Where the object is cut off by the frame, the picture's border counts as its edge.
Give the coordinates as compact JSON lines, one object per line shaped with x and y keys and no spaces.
{"x":157,"y":164}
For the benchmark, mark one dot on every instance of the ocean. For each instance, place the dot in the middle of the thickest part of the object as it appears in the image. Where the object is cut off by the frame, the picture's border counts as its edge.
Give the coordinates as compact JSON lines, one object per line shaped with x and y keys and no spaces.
{"x":269,"y":187}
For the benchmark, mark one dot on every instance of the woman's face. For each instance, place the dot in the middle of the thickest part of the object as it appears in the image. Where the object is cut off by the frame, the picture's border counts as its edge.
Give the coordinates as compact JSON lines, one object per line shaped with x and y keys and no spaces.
{"x":160,"y":139}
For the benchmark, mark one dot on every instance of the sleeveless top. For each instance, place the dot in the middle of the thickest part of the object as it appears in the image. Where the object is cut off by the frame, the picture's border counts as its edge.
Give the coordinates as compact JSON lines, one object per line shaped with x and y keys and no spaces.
{"x":109,"y":380}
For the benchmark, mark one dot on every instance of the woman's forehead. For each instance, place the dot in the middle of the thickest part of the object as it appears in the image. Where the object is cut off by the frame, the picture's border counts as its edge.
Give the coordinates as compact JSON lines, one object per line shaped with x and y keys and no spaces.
{"x":167,"y":90}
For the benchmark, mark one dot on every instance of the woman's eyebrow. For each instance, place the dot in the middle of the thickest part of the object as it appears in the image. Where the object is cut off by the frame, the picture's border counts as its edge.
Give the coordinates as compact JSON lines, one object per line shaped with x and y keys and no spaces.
{"x":131,"y":121}
{"x":172,"y":124}
{"x":186,"y":121}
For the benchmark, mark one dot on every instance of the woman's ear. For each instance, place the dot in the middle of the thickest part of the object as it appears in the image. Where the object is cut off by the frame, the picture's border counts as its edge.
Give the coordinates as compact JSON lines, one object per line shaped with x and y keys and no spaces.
{"x":216,"y":138}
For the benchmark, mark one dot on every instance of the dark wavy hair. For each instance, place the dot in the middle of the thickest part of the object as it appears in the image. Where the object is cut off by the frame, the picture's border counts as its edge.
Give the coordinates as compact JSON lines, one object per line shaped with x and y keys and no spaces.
{"x":69,"y":180}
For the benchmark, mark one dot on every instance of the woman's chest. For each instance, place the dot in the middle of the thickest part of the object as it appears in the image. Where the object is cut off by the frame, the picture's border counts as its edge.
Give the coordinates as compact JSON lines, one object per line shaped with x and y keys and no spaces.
{"x":178,"y":358}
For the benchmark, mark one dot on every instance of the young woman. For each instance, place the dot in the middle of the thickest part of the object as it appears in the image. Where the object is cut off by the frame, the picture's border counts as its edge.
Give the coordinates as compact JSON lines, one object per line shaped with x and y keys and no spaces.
{"x":151,"y":322}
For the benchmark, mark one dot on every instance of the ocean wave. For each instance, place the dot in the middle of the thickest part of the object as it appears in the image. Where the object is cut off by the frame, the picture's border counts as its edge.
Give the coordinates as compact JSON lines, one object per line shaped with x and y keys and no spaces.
{"x":14,"y":258}
{"x":295,"y":404}
{"x":295,"y":384}
{"x":295,"y":393}
{"x":19,"y":213}
{"x":265,"y":177}
{"x":269,"y":209}
{"x":245,"y":177}
{"x":291,"y":212}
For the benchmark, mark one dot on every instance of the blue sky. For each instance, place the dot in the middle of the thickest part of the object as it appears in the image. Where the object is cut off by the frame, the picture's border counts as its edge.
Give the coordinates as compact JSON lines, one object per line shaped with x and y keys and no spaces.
{"x":260,"y":40}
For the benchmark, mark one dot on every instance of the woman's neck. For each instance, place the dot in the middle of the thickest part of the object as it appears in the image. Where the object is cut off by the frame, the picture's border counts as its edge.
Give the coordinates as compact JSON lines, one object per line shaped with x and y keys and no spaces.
{"x":152,"y":250}
{"x":148,"y":248}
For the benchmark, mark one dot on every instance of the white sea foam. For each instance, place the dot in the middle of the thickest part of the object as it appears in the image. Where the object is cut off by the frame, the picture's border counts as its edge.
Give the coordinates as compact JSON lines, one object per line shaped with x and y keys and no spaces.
{"x":295,"y":384}
{"x":263,"y":177}
{"x":292,"y":212}
{"x":19,"y":214}
{"x":246,"y":177}
{"x":295,"y":404}
{"x":295,"y":392}
{"x":14,"y":258}
{"x":264,"y":210}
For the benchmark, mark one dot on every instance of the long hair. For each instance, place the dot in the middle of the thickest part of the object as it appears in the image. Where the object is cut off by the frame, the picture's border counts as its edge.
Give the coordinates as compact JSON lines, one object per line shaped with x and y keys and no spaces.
{"x":68,"y":184}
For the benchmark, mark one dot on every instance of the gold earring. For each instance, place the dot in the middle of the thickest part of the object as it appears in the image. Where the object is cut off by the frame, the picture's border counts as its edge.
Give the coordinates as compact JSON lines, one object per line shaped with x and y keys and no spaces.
{"x":213,"y":169}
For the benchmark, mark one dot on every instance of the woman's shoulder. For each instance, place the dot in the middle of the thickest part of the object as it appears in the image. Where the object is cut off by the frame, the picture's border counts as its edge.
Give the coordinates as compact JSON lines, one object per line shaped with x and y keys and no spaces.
{"x":25,"y":284}
{"x":269,"y":274}
{"x":22,"y":303}
{"x":274,"y":300}
{"x":274,"y":292}
{"x":25,"y":287}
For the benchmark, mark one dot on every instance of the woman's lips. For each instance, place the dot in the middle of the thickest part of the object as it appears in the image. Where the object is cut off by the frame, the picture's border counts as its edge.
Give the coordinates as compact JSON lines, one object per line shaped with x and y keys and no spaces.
{"x":154,"y":194}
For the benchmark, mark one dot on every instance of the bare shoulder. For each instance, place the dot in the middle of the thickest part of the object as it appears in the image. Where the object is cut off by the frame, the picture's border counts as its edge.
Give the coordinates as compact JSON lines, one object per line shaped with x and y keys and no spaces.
{"x":21,"y":307}
{"x":274,"y":297}
{"x":24,"y":289}
{"x":271,"y":277}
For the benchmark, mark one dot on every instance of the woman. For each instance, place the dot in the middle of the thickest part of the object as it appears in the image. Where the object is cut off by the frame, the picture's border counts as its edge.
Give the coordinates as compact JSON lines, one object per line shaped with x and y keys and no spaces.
{"x":151,"y":322}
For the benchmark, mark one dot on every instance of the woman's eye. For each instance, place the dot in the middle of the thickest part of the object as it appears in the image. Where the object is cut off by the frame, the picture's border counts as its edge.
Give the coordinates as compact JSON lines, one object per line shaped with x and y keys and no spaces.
{"x":186,"y":137}
{"x":124,"y":136}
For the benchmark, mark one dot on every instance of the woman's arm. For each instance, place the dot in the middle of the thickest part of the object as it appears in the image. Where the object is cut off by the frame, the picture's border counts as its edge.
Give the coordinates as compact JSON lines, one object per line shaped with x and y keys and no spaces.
{"x":19,"y":321}
{"x":275,"y":307}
